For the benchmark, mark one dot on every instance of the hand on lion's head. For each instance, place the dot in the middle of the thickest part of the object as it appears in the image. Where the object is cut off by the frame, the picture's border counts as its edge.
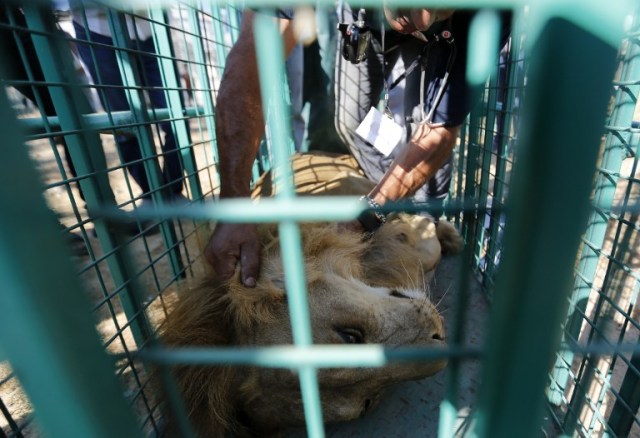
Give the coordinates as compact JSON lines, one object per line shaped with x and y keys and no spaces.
{"x":373,"y":291}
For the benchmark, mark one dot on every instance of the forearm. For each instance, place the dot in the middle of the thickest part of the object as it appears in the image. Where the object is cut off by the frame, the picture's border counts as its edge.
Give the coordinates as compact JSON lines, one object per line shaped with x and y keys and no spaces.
{"x":239,"y":117}
{"x":406,"y":20}
{"x":420,"y":159}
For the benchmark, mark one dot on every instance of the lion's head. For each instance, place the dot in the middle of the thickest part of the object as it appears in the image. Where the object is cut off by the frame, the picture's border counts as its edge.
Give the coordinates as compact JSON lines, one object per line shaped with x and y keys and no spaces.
{"x":372,"y":291}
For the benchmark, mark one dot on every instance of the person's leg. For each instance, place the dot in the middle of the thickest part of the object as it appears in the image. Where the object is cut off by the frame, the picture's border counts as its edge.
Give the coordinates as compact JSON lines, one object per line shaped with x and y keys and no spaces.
{"x":295,"y":74}
{"x":106,"y":75}
{"x":319,"y":72}
{"x":29,"y":69}
{"x":152,"y":77}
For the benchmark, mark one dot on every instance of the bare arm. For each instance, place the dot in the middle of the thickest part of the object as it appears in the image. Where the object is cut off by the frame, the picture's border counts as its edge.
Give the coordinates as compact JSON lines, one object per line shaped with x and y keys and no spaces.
{"x":239,"y":118}
{"x":421,"y":158}
{"x":239,"y":129}
{"x":415,"y":20}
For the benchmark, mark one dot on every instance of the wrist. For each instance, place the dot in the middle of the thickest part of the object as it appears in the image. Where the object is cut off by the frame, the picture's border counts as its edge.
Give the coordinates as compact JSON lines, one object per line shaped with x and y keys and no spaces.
{"x":234,"y":192}
{"x":372,"y":218}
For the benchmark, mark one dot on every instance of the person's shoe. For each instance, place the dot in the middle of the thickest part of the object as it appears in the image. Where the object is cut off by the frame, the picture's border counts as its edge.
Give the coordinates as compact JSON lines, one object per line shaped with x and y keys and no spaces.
{"x":75,"y":242}
{"x":178,"y":200}
{"x":148,"y":228}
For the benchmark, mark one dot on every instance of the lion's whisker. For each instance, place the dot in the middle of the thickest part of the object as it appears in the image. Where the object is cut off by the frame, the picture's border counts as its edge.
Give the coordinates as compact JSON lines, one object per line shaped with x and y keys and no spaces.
{"x":442,"y":297}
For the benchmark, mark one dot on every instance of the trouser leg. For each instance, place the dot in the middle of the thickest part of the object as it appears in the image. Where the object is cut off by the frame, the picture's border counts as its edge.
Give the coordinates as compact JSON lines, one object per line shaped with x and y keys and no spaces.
{"x":152,"y":76}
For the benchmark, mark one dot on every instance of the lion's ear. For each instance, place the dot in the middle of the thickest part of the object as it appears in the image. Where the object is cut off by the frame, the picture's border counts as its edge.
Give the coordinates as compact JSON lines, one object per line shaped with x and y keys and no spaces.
{"x":256,"y":305}
{"x":275,"y":280}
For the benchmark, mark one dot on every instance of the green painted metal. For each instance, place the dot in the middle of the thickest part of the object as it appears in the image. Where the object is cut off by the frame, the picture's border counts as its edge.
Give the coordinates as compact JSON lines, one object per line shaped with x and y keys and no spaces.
{"x":461,"y":170}
{"x":272,"y":79}
{"x":267,"y":210}
{"x":87,"y":155}
{"x":471,"y":224}
{"x":234,"y":16}
{"x":320,"y":356}
{"x":503,"y":155}
{"x":484,"y":35}
{"x":614,"y":153}
{"x":517,"y":359}
{"x":450,"y":406}
{"x":627,"y":402}
{"x":201,"y":67}
{"x":218,"y":31}
{"x":162,"y":41}
{"x":530,"y":296}
{"x":45,"y":329}
{"x":484,"y":32}
{"x":108,"y":123}
{"x":131,"y":77}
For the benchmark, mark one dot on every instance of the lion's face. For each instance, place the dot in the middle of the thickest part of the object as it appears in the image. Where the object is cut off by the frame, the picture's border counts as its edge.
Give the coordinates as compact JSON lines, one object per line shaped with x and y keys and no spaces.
{"x":344,"y":309}
{"x":371,"y":292}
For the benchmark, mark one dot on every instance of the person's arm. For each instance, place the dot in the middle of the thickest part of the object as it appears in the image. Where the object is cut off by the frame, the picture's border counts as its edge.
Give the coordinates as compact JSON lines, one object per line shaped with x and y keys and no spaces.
{"x":239,"y":130}
{"x":239,"y":117}
{"x":409,"y":21}
{"x":429,"y":147}
{"x":420,"y":159}
{"x":428,"y":150}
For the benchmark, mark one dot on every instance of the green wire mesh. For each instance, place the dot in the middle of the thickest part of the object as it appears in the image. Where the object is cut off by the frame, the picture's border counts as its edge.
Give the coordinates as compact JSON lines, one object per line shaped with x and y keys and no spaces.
{"x":127,"y":269}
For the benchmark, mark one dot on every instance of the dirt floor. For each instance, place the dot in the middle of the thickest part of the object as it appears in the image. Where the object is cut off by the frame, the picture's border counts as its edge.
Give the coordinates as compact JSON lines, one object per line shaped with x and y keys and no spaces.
{"x":151,"y":261}
{"x":418,"y":400}
{"x":410,"y":409}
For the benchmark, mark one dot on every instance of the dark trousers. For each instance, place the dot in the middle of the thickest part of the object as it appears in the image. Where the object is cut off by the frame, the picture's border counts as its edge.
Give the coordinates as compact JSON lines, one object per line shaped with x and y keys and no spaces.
{"x":114,"y":98}
{"x":18,"y":46}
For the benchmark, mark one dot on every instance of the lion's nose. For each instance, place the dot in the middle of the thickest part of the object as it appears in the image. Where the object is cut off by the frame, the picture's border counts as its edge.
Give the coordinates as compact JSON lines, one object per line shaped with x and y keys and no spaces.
{"x":439,"y":332}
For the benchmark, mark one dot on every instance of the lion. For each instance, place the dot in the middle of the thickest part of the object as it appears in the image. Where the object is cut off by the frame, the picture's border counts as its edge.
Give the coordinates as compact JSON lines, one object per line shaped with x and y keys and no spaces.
{"x":360,"y":291}
{"x":328,"y":174}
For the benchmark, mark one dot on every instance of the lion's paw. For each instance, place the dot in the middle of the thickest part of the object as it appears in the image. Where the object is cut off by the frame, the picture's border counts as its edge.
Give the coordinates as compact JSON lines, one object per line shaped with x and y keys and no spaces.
{"x":449,"y":237}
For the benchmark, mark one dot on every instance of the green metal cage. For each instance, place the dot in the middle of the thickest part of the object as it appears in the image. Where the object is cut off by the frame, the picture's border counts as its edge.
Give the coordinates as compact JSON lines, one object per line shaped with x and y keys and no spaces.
{"x":546,"y":194}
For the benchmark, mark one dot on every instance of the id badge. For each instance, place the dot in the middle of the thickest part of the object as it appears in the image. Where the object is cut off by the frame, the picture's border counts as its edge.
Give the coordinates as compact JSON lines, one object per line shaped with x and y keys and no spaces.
{"x":381,"y":131}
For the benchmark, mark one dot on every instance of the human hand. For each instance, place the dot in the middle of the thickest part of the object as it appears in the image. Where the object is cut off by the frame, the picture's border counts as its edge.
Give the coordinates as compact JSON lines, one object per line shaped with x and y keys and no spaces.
{"x":233,"y":244}
{"x":408,"y":21}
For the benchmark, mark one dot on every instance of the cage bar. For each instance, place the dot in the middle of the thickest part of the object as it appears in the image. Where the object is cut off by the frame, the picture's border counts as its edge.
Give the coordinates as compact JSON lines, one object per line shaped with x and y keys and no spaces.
{"x":528,"y":276}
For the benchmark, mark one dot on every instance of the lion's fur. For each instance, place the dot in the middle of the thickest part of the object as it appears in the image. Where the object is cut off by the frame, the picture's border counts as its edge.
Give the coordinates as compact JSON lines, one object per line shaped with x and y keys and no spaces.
{"x":349,"y":282}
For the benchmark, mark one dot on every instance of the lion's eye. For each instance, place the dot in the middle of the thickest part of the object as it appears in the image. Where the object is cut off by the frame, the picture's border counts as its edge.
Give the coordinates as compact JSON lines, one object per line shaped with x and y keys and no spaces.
{"x":395,"y":293}
{"x":351,"y":335}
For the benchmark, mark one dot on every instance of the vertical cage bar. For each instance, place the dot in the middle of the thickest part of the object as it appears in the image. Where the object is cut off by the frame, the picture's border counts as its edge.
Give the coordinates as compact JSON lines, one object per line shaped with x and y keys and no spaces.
{"x":42,"y":300}
{"x":162,"y":41}
{"x":131,"y":81}
{"x":627,"y":403}
{"x":606,"y":182}
{"x":530,"y":297}
{"x":515,"y":82}
{"x":217,"y":22}
{"x":470,"y":187}
{"x":86,"y":152}
{"x":460,"y":172}
{"x":207,"y":98}
{"x":272,"y":80}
